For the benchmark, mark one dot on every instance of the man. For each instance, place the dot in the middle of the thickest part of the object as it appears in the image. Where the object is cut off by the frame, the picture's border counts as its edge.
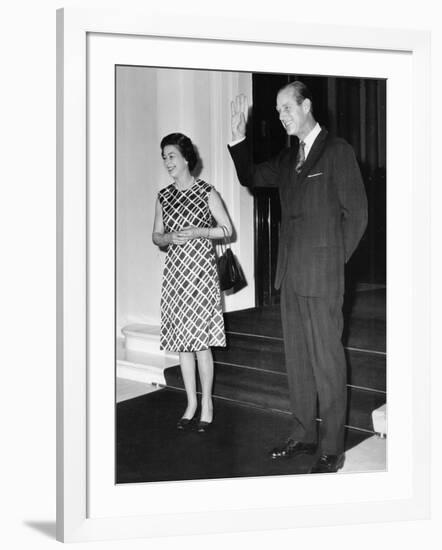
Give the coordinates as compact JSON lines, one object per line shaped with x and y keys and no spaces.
{"x":323,"y":217}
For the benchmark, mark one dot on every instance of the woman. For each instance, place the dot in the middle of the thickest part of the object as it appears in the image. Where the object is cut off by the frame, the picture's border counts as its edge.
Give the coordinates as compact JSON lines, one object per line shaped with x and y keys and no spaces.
{"x":191,"y":314}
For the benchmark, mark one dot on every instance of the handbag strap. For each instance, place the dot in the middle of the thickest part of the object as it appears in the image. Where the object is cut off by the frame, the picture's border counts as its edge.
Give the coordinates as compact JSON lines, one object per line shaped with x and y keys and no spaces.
{"x":224,"y":244}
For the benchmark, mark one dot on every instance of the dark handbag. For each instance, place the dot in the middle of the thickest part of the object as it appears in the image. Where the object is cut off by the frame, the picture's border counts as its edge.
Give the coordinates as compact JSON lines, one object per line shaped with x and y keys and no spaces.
{"x":230,"y":273}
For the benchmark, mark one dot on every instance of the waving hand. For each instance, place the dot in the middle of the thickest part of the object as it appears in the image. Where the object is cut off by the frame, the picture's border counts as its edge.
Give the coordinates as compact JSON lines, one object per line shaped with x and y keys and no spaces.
{"x":239,"y":109}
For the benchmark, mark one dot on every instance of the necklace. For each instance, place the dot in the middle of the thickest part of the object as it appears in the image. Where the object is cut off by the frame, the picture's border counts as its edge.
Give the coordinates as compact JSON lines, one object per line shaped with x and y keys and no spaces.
{"x":192,"y":181}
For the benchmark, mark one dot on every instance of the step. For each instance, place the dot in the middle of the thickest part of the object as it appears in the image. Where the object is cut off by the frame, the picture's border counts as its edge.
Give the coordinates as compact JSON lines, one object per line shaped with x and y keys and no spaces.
{"x":360,"y":405}
{"x":269,"y":390}
{"x":142,"y":366}
{"x":364,"y":321}
{"x":244,"y":350}
{"x":367,"y":334}
{"x":145,"y":338}
{"x":366,"y":304}
{"x":254,"y":387}
{"x":366,"y":369}
{"x":359,"y":305}
{"x":379,"y":417}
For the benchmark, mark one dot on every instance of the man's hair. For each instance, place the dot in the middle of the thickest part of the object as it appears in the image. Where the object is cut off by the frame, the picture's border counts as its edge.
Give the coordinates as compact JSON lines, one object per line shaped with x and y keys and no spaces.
{"x":185,"y":146}
{"x":300,"y":92}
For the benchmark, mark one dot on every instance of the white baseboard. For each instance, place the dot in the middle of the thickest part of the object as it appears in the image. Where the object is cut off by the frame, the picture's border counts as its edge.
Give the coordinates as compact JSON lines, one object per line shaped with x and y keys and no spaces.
{"x":140,"y":373}
{"x":139,"y":357}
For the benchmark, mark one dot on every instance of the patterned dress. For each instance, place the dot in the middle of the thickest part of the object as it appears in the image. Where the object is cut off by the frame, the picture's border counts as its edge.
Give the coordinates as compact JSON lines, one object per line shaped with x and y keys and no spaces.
{"x":191,"y":314}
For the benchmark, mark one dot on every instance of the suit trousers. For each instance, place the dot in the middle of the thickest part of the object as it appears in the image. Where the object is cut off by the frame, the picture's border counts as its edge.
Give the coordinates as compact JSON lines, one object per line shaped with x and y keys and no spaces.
{"x":316,"y":367}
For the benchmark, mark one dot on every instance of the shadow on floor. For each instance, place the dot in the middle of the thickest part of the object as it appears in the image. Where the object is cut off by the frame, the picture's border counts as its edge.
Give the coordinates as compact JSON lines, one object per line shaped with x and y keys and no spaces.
{"x":45,"y":527}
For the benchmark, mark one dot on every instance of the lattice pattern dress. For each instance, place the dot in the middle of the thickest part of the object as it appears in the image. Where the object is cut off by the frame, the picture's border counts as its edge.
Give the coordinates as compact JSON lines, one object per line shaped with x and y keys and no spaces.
{"x":191,"y":314}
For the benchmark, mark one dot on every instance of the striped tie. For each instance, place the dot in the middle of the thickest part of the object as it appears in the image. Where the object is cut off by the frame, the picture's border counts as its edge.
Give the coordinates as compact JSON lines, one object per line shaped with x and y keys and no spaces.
{"x":300,"y":157}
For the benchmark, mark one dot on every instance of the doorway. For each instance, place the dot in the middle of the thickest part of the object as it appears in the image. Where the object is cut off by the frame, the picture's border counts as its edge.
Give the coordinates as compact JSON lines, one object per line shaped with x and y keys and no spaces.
{"x":351,"y":108}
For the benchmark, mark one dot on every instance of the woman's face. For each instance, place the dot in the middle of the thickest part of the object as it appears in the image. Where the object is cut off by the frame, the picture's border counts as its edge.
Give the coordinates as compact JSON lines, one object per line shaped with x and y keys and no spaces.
{"x":174,"y":162}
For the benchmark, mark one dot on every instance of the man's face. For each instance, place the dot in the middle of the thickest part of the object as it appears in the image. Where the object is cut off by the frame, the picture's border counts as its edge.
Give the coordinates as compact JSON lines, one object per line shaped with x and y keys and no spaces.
{"x":292,"y":116}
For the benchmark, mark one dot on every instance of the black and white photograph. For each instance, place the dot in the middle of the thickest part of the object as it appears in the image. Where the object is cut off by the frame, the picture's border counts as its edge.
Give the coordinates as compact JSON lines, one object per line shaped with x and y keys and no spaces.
{"x":221,"y":274}
{"x":250,"y":274}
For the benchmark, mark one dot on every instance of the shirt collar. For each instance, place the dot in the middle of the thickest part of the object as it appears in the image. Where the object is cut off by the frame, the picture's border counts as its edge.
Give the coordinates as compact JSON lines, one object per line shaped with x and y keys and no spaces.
{"x":310,"y":138}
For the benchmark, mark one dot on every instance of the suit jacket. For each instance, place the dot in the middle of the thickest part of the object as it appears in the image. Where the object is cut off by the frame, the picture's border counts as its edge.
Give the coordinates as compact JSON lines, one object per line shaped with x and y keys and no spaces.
{"x":323,"y":211}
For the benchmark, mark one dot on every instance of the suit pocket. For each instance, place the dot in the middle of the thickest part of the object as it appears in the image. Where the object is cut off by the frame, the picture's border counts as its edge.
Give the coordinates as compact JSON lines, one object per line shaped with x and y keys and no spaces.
{"x":316,"y":176}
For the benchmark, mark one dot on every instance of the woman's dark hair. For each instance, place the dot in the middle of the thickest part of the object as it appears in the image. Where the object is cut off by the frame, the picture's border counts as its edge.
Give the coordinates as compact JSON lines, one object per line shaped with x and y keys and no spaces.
{"x":185,"y":146}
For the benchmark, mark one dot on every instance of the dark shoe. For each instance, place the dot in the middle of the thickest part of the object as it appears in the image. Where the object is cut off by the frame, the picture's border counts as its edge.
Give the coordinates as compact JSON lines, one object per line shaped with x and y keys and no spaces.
{"x":203,"y":426}
{"x":327,"y":464}
{"x":293,"y":448}
{"x":184,"y":423}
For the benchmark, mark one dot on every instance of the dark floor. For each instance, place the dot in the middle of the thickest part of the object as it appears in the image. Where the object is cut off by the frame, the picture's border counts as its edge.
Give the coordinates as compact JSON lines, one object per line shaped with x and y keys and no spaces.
{"x":251,"y":416}
{"x":150,"y":448}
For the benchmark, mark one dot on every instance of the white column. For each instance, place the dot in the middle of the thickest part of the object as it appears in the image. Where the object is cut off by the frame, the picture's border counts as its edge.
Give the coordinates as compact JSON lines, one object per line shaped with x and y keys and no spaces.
{"x":238,"y":199}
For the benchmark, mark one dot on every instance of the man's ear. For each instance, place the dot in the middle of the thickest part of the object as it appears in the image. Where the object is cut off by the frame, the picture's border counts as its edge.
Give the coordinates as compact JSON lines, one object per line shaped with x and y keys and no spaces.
{"x":307,"y":105}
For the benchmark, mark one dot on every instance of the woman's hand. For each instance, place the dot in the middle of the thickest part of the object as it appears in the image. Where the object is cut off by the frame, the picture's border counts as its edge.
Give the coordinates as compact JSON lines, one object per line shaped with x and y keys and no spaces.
{"x":189,"y":233}
{"x":177,"y":238}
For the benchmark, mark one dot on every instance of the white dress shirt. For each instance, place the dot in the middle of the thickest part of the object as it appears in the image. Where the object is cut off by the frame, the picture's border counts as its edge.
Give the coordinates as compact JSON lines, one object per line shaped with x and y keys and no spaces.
{"x":310,"y":138}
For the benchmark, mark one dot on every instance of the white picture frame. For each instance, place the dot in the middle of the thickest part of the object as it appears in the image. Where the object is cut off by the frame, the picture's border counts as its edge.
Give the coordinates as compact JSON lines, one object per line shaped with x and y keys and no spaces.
{"x":76,"y":385}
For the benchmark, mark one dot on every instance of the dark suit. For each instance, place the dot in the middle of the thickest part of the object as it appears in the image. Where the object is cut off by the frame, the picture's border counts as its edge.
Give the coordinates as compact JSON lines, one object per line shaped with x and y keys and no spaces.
{"x":323,"y":217}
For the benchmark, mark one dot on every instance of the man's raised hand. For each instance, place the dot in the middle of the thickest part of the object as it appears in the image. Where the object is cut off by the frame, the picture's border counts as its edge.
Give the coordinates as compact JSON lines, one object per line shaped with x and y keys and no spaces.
{"x":239,"y":109}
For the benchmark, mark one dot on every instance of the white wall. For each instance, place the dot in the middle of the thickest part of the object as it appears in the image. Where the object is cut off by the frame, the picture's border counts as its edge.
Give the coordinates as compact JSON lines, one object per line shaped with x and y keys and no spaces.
{"x":136,"y":194}
{"x":152,"y":103}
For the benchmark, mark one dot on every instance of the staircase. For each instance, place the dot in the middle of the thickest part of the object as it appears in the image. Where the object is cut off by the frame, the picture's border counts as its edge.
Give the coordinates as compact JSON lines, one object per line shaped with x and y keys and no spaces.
{"x":251,"y":371}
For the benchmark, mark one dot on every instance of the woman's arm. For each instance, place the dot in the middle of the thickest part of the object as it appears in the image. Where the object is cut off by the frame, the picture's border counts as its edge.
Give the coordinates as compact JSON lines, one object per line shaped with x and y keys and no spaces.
{"x":159,"y":237}
{"x":218,"y":211}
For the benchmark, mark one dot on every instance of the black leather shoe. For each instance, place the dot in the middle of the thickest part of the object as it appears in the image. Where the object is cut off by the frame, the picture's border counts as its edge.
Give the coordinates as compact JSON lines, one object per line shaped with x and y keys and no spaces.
{"x":327,"y":464}
{"x":203,"y":426}
{"x":293,"y":448}
{"x":184,"y":423}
